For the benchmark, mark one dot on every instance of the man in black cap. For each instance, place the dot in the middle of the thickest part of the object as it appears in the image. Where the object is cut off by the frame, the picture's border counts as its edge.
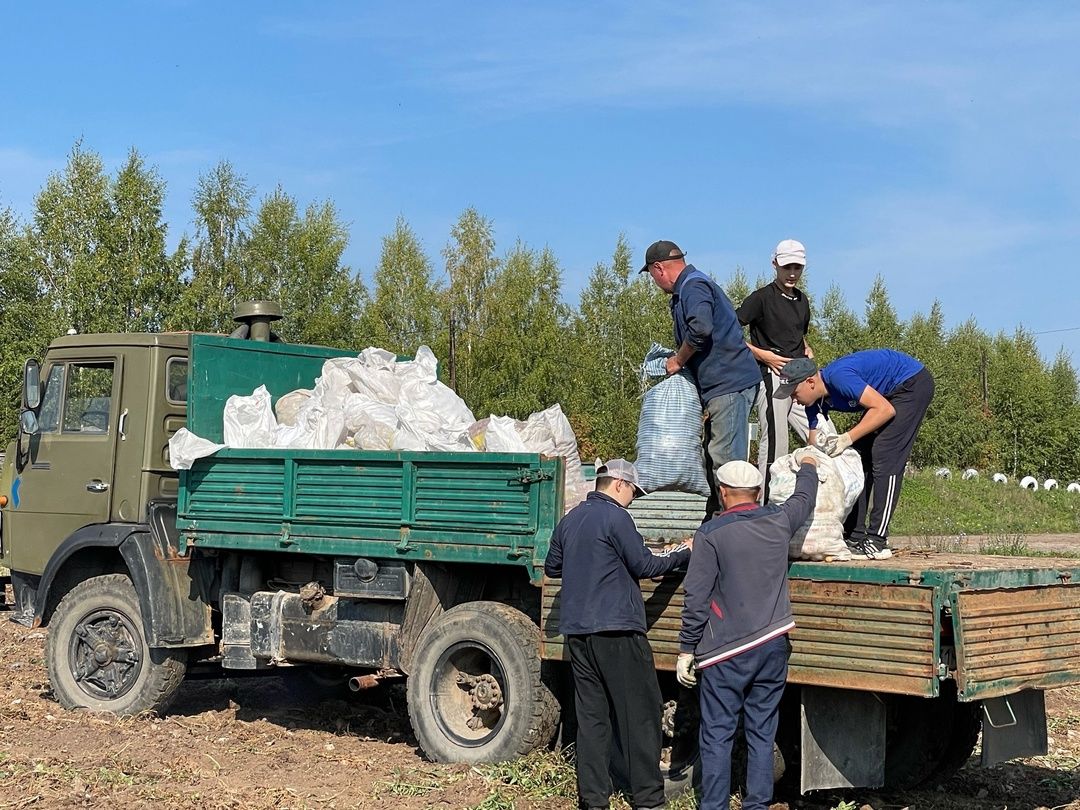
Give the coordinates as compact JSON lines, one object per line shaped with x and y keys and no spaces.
{"x":893,"y":392}
{"x":600,"y":555}
{"x":711,"y":346}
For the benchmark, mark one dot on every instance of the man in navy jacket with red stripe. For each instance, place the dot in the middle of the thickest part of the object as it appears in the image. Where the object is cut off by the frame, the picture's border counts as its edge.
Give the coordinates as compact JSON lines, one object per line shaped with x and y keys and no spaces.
{"x":735,"y":621}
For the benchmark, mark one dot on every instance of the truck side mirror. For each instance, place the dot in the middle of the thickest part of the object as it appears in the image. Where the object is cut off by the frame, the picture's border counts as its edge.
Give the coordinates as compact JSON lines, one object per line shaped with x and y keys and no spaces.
{"x":28,"y":429}
{"x":31,"y":386}
{"x":28,"y":423}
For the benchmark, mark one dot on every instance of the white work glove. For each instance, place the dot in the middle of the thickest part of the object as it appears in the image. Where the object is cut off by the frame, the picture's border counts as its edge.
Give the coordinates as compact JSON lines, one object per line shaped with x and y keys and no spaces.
{"x":684,"y":670}
{"x":835,"y":445}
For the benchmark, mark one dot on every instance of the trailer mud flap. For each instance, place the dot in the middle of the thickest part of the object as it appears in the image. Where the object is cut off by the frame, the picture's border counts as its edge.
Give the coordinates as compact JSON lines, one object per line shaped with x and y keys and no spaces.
{"x":1014,"y":726}
{"x":842,"y":739}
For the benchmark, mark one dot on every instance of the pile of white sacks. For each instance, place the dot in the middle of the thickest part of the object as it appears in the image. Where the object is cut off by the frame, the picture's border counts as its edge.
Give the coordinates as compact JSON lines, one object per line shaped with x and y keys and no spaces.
{"x":840,"y":480}
{"x":375,"y":402}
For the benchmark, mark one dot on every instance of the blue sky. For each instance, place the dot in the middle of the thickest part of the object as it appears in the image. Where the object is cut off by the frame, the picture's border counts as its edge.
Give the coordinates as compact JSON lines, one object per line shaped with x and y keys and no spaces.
{"x":936,"y":143}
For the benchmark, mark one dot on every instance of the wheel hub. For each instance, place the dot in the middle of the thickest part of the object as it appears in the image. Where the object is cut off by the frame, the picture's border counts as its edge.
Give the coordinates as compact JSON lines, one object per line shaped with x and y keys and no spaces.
{"x":485,"y":695}
{"x":103,"y":655}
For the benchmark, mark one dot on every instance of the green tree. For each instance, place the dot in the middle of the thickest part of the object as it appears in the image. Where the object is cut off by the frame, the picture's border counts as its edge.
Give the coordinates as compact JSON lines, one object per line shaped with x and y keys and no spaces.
{"x":406,"y":306}
{"x":523,"y":348}
{"x":835,"y":329}
{"x":24,"y":314}
{"x":68,"y":250}
{"x":883,"y":329}
{"x":621,"y":313}
{"x":143,"y":280}
{"x":218,"y":281}
{"x":297,"y":261}
{"x":470,"y":267}
{"x":1022,"y":404}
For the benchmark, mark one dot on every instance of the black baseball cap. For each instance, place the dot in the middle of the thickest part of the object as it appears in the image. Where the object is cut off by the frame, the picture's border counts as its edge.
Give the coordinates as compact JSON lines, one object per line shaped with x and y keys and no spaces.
{"x":661,"y":251}
{"x":793,"y":373}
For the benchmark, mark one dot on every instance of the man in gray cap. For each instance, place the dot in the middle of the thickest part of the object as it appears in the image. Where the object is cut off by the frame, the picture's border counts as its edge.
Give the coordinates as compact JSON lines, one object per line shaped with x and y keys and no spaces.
{"x":600,"y":555}
{"x":710,"y":345}
{"x":735,"y":621}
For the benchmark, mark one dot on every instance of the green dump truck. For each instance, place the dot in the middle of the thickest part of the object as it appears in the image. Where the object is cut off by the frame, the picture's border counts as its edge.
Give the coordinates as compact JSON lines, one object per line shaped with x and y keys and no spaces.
{"x":370,"y":566}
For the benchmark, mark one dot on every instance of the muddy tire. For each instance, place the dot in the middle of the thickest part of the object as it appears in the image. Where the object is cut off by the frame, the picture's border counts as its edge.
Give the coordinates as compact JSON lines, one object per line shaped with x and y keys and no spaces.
{"x":928,"y":739}
{"x":475,"y":693}
{"x":97,"y":653}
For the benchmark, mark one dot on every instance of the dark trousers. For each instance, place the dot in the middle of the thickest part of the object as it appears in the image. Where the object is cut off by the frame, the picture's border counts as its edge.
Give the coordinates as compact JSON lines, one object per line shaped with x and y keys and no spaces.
{"x":617,"y":700}
{"x":751,"y":683}
{"x":885,"y":453}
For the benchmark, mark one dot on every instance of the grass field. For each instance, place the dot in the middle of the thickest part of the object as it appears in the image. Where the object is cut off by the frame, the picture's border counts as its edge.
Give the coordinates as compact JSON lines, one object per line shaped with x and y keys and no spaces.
{"x":933,"y":506}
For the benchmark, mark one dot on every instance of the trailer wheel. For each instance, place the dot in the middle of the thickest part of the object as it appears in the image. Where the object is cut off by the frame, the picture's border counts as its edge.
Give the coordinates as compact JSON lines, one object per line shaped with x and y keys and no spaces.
{"x":97,"y":653}
{"x":475,"y":692}
{"x":928,"y":739}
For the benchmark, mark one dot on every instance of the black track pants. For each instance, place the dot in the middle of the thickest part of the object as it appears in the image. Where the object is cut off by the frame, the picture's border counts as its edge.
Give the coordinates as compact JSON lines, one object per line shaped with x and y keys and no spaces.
{"x":885,"y":453}
{"x":617,"y":701}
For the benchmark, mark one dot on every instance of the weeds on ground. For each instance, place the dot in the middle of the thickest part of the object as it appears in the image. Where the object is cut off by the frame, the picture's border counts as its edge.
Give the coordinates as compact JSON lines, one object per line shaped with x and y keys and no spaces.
{"x":948,"y":544}
{"x":1007,"y":545}
{"x":540,"y":775}
{"x":410,"y":782}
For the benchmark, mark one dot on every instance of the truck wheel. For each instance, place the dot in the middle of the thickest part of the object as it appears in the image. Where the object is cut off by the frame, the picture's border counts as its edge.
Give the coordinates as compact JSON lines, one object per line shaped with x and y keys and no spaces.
{"x":97,"y":653}
{"x":475,"y":692}
{"x":928,"y":739}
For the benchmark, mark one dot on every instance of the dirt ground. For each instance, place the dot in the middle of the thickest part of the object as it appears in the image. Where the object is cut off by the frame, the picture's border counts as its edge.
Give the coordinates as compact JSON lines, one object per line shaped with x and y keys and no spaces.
{"x":273,"y":743}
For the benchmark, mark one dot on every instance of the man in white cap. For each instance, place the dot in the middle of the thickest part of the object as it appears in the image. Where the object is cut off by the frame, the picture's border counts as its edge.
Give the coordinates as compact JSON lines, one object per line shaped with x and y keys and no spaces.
{"x":735,"y":621}
{"x":600,"y":555}
{"x":778,"y":315}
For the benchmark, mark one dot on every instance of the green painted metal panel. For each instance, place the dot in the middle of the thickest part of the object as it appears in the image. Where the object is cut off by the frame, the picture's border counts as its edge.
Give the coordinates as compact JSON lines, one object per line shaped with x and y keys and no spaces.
{"x":222,"y":366}
{"x":493,"y":508}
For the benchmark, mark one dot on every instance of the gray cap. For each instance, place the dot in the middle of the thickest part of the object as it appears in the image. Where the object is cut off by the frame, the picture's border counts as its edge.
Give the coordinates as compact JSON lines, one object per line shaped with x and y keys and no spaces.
{"x":793,"y":373}
{"x":623,"y":470}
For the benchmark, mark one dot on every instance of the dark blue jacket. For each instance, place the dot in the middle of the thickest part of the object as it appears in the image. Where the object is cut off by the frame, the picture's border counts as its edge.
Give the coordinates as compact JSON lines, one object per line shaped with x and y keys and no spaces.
{"x":704,"y":318}
{"x":600,"y":555}
{"x":736,"y":588}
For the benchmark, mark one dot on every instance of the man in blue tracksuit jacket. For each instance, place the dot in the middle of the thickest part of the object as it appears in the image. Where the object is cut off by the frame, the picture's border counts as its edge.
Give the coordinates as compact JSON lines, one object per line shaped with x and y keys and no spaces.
{"x":892,"y":391}
{"x":711,"y":344}
{"x":735,"y":621}
{"x":600,"y":555}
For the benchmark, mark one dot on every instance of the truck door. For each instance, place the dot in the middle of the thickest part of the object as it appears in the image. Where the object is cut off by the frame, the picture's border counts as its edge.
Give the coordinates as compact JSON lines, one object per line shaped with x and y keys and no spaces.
{"x":67,"y":481}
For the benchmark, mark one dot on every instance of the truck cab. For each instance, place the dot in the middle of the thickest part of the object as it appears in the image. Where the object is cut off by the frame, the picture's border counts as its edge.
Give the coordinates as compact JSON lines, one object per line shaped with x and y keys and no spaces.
{"x":92,"y":452}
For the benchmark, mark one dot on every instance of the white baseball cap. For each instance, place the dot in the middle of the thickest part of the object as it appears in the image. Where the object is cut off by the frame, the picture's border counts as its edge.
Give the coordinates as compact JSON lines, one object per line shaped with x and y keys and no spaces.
{"x":623,"y":470}
{"x":739,"y":475}
{"x":790,"y":252}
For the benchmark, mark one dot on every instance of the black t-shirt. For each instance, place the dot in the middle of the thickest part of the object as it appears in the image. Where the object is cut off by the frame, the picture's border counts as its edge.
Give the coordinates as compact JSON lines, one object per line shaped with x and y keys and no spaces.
{"x":778,"y":321}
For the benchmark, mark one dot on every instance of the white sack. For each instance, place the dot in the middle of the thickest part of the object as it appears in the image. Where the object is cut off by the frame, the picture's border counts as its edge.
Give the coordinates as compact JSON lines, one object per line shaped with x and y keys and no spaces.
{"x":286,"y":408}
{"x":549,"y":432}
{"x":249,"y":421}
{"x":503,"y":435}
{"x":372,"y":425}
{"x":185,"y":447}
{"x":375,"y":375}
{"x":316,"y":428}
{"x":822,"y":535}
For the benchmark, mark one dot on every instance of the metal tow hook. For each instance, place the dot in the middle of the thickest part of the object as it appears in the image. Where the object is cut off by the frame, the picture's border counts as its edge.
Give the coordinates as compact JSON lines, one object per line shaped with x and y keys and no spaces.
{"x":485,"y":693}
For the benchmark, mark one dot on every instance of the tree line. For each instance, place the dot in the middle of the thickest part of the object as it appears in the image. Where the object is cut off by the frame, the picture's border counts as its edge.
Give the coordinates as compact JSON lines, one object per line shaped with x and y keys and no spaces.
{"x":93,"y":257}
